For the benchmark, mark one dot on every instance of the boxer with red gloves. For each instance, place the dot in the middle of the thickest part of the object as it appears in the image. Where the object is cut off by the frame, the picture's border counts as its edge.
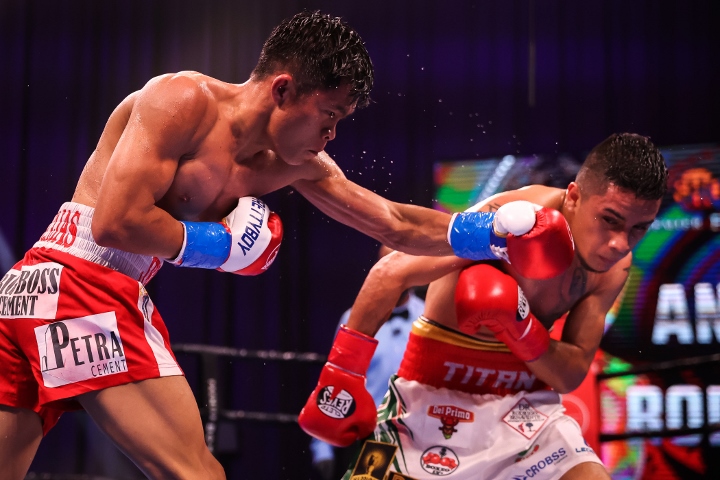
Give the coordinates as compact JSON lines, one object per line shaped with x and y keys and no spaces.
{"x":541,"y":248}
{"x":340,"y":410}
{"x":565,"y":252}
{"x":531,"y":231}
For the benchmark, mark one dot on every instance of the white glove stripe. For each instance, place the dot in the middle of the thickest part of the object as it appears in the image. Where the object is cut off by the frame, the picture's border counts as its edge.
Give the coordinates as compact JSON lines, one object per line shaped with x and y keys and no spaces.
{"x":243,"y":217}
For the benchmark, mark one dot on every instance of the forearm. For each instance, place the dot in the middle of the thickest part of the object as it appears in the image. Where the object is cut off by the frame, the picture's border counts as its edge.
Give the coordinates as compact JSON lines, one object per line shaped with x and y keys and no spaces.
{"x":417,"y":231}
{"x":388,"y":279}
{"x":408,"y":228}
{"x":153,"y":232}
{"x":566,"y":363}
{"x":376,"y":300}
{"x":563,"y":367}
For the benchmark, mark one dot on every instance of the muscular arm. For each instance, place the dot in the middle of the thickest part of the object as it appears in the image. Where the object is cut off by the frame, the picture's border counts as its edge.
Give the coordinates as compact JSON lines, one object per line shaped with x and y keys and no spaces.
{"x":386,"y":281}
{"x":408,"y":228}
{"x":539,"y":194}
{"x":163,"y":126}
{"x":398,"y":271}
{"x":566,"y":363}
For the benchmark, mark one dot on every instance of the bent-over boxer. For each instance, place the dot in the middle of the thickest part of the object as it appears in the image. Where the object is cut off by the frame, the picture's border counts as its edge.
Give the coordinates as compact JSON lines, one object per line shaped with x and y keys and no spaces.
{"x":478,"y":393}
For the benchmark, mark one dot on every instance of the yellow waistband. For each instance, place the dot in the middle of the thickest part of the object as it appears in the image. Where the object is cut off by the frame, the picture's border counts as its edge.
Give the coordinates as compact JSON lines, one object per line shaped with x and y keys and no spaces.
{"x":427,"y":328}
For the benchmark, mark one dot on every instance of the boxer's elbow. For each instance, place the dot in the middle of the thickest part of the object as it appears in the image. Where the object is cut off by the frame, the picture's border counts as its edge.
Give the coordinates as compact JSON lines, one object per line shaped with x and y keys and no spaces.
{"x":110,"y":232}
{"x":564,"y":386}
{"x":388,"y":273}
{"x":565,"y":380}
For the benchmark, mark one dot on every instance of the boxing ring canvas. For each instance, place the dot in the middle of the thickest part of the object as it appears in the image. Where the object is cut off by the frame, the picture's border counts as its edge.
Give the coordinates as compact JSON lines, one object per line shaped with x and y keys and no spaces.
{"x":656,"y":380}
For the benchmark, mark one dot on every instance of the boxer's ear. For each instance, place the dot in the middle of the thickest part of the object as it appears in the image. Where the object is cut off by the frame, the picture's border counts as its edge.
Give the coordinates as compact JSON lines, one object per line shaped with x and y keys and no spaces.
{"x":572,"y":196}
{"x":283,"y":89}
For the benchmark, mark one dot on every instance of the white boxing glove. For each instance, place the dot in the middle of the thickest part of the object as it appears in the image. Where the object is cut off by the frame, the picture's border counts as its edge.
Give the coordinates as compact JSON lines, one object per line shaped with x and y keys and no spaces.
{"x":245,"y":242}
{"x":516,"y":217}
{"x":256,"y":236}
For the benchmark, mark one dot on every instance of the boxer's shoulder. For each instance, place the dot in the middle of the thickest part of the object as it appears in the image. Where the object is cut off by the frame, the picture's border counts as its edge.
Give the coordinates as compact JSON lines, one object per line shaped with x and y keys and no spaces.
{"x":317,"y":168}
{"x":183,"y":100}
{"x":542,"y":195}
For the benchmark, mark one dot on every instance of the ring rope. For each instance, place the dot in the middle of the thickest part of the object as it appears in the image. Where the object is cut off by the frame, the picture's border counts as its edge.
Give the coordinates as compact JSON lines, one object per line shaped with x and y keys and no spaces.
{"x":245,"y":353}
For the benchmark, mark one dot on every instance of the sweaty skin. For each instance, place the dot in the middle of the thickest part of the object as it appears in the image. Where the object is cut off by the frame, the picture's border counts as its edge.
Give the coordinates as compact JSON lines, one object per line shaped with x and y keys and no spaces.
{"x":605,"y":228}
{"x":187,"y":146}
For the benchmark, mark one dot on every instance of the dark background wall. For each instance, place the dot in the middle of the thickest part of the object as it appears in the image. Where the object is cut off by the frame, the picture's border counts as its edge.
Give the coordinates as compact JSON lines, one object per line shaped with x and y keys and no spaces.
{"x":454,"y":80}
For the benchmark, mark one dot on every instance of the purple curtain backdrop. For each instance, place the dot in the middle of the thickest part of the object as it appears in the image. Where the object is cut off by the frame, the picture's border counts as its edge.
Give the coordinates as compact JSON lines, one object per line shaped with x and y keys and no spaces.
{"x":454,"y":80}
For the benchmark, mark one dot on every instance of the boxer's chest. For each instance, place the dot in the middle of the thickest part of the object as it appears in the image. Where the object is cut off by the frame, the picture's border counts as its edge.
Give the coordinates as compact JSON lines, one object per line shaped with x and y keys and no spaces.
{"x":550,"y":299}
{"x":206,"y":187}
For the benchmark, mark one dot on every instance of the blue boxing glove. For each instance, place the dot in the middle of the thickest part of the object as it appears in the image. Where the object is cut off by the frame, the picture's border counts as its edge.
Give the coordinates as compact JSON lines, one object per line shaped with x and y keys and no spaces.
{"x":482,"y":235}
{"x":536,"y":240}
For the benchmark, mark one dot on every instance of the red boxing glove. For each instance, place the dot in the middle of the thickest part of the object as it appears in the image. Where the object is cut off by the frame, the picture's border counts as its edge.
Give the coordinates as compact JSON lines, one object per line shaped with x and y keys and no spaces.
{"x":546,"y":250}
{"x":340,"y":410}
{"x":487,"y":297}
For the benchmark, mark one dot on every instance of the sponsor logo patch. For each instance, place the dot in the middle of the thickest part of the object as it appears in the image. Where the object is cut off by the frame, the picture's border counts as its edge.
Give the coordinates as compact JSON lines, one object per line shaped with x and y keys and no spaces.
{"x":585,"y":449}
{"x":450,"y":416}
{"x":80,"y":349}
{"x":541,"y":464}
{"x":439,"y":460}
{"x":341,"y":405}
{"x":525,"y":419}
{"x":31,"y":292}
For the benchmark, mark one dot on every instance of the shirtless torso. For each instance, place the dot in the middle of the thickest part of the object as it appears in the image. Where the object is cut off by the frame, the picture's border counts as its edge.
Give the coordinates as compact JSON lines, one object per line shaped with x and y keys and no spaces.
{"x":605,"y":228}
{"x":216,"y":167}
{"x":550,"y":299}
{"x":187,"y":146}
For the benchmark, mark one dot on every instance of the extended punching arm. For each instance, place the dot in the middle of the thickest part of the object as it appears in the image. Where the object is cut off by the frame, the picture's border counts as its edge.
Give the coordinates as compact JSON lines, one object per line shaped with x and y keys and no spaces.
{"x":520,"y":233}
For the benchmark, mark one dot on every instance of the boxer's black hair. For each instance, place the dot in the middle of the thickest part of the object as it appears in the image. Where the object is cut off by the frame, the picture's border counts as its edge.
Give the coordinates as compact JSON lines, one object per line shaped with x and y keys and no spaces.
{"x":628,"y":161}
{"x":320,"y":52}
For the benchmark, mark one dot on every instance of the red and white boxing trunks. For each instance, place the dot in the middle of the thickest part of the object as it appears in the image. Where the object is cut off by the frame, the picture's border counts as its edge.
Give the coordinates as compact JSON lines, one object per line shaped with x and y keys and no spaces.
{"x":468,"y":409}
{"x":75,"y":318}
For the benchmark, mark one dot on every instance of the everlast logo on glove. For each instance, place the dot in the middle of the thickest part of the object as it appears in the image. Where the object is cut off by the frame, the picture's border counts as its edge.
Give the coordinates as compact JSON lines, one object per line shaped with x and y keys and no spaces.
{"x":80,"y":348}
{"x":340,"y":406}
{"x":31,"y":292}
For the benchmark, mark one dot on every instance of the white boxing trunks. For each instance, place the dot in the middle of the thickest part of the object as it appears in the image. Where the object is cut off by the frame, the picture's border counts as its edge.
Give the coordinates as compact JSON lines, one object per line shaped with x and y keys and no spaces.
{"x":484,"y":428}
{"x":75,"y":317}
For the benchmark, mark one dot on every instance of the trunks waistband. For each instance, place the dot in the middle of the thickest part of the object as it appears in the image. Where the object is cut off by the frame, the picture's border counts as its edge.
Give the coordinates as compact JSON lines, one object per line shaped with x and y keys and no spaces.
{"x":444,"y":358}
{"x":70,"y":232}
